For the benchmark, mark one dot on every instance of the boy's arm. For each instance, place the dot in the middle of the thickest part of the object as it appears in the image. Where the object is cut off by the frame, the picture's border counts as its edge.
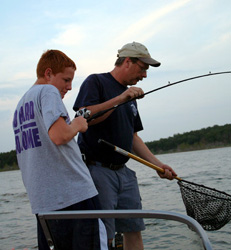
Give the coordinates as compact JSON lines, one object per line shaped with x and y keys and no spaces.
{"x":61,"y":133}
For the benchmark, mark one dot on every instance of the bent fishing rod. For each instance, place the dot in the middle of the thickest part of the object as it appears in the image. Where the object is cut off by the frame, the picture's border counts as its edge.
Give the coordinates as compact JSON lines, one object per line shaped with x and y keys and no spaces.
{"x":86,"y":113}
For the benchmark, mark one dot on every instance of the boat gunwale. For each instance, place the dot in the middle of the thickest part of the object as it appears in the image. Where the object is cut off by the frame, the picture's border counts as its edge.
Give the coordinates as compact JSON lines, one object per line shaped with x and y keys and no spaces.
{"x":130,"y":213}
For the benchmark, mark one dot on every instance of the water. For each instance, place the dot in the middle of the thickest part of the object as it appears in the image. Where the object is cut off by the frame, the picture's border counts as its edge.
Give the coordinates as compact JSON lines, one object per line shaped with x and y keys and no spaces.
{"x":208,"y":167}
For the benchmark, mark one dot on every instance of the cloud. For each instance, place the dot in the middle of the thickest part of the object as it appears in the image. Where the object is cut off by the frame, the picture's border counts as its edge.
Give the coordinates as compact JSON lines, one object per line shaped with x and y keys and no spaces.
{"x":223,"y":40}
{"x":9,"y":103}
{"x":188,"y":37}
{"x":143,"y":28}
{"x":71,"y":35}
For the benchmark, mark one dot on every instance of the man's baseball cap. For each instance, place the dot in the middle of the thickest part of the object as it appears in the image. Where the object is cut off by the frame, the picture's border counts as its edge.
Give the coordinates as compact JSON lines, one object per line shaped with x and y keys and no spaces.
{"x":137,"y":50}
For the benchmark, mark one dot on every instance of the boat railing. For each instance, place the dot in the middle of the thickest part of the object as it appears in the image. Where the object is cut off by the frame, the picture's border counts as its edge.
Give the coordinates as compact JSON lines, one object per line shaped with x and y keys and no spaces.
{"x":153,"y":214}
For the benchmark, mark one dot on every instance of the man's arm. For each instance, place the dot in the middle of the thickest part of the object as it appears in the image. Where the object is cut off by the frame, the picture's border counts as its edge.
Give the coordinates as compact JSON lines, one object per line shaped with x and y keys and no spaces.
{"x":61,"y":133}
{"x":141,"y":150}
{"x":130,"y":93}
{"x":103,"y":106}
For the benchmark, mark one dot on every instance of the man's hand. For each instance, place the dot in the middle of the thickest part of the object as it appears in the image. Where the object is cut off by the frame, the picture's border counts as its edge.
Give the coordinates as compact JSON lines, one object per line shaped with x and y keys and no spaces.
{"x":131,"y":93}
{"x":169,"y":173}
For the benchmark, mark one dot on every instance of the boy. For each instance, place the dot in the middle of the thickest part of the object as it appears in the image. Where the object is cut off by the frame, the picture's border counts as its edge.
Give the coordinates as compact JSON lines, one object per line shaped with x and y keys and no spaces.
{"x":54,"y":175}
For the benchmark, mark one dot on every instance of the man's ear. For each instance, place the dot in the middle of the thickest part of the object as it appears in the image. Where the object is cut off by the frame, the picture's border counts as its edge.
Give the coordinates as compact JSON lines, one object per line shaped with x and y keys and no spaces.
{"x":48,"y":73}
{"x":127,"y":62}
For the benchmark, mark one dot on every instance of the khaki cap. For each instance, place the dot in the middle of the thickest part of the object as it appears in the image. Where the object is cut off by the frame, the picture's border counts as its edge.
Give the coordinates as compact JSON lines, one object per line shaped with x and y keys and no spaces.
{"x":137,"y":50}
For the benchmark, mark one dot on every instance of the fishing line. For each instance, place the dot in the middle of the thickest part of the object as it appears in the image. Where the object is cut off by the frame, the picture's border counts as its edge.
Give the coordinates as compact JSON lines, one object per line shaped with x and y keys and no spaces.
{"x":151,"y":91}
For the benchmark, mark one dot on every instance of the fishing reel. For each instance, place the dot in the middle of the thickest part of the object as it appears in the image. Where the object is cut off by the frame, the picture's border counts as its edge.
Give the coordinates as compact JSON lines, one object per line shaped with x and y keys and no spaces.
{"x":85,"y":113}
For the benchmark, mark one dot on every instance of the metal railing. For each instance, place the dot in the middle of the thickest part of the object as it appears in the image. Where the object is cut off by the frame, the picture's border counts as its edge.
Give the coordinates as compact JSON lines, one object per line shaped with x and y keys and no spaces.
{"x":92,"y":214}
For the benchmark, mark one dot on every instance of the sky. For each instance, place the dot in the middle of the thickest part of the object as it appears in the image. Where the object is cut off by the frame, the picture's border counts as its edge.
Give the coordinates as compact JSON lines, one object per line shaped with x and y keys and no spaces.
{"x":188,"y":37}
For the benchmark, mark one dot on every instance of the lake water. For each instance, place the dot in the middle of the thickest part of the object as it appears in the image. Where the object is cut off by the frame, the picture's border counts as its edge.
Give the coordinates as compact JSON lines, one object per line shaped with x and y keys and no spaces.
{"x":208,"y":167}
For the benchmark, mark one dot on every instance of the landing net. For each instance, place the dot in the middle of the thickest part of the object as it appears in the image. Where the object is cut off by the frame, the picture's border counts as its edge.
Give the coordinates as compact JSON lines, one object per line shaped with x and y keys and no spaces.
{"x":210,"y":207}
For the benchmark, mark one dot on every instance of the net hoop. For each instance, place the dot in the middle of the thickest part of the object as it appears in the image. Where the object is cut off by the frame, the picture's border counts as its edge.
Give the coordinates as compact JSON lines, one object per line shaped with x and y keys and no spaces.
{"x":226,"y":196}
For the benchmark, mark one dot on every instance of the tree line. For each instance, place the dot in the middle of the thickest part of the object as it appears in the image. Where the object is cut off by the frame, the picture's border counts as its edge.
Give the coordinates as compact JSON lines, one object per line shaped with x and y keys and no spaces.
{"x":8,"y":161}
{"x":211,"y":137}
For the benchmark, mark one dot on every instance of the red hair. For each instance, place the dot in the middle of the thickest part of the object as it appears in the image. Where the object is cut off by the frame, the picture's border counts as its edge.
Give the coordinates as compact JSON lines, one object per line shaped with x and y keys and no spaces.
{"x":55,"y":60}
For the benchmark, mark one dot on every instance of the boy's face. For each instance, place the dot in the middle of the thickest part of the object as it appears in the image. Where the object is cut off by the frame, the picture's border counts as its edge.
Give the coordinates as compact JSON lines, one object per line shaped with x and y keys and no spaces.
{"x":63,"y":81}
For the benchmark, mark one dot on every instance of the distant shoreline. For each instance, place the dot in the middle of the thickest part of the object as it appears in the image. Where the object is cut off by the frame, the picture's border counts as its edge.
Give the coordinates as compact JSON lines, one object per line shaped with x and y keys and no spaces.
{"x":15,"y":167}
{"x":191,"y":149}
{"x":10,"y":168}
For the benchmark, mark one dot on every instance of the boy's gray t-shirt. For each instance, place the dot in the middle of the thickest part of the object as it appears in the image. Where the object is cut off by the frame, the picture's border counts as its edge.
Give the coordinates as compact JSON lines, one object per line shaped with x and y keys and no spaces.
{"x":54,"y":176}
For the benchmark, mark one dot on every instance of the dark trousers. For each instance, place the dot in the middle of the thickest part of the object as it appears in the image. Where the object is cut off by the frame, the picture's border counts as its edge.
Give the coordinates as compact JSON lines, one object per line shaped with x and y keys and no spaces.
{"x":73,"y":234}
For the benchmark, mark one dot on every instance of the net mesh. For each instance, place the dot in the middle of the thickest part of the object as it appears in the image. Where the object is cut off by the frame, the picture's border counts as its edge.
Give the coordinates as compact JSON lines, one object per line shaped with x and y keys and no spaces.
{"x":210,"y":207}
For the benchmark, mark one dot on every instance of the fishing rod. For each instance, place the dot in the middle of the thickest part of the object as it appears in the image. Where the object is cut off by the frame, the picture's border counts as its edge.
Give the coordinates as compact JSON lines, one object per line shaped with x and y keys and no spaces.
{"x":134,"y":157}
{"x":210,"y":207}
{"x":86,"y":113}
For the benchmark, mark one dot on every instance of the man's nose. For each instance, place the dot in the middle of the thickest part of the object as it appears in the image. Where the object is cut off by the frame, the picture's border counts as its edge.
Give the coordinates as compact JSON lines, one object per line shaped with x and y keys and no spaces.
{"x":144,"y":74}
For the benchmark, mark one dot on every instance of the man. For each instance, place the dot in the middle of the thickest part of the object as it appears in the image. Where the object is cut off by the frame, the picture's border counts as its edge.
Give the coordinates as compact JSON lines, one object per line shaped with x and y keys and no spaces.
{"x":54,"y":175}
{"x":117,"y":184}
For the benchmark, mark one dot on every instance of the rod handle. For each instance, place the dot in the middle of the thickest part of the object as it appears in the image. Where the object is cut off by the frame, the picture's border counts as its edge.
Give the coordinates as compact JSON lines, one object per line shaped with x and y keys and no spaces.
{"x":134,"y":157}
